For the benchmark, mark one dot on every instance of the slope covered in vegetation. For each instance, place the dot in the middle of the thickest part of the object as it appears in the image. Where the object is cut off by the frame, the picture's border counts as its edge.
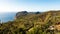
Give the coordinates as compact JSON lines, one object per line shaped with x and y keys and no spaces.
{"x":33,"y":23}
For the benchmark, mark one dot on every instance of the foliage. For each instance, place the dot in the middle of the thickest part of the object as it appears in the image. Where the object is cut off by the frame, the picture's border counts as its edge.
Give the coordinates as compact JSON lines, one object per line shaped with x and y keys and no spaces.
{"x":31,"y":24}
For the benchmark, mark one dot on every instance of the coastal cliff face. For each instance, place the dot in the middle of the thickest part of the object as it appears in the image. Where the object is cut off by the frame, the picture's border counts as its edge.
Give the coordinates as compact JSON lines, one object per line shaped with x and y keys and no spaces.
{"x":24,"y":13}
{"x":33,"y":23}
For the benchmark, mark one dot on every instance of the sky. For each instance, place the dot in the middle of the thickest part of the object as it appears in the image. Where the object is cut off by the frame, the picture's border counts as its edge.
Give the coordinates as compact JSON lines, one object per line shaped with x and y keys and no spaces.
{"x":29,"y":5}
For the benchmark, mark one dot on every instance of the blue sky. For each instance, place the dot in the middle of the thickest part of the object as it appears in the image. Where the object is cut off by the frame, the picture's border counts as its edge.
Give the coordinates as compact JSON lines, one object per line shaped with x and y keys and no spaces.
{"x":29,"y":5}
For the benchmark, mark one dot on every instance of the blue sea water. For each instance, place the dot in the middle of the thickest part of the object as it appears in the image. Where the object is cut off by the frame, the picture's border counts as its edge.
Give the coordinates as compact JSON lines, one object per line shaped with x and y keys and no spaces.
{"x":7,"y":16}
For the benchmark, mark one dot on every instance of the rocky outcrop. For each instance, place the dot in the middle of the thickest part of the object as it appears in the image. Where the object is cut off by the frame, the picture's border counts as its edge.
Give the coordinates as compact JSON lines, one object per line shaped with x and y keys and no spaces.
{"x":23,"y":13}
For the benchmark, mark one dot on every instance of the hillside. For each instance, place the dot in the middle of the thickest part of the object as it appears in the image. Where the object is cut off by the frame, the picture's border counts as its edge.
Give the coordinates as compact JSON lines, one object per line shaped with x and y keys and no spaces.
{"x":33,"y":23}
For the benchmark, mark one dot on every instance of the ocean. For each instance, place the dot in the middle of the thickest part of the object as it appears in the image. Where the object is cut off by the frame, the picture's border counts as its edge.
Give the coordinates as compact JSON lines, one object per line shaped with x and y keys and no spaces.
{"x":7,"y":16}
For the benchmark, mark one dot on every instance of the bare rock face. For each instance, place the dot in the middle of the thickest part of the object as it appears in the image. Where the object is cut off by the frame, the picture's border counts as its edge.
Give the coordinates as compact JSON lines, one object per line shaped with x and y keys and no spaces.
{"x":37,"y":13}
{"x":23,"y":13}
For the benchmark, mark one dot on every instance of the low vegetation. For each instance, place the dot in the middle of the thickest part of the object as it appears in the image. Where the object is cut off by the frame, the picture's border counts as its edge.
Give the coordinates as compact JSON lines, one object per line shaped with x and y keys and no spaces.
{"x":33,"y":23}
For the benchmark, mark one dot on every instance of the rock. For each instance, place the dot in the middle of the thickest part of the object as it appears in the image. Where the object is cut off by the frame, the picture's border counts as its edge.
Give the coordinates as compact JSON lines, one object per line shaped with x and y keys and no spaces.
{"x":23,"y":13}
{"x":37,"y":13}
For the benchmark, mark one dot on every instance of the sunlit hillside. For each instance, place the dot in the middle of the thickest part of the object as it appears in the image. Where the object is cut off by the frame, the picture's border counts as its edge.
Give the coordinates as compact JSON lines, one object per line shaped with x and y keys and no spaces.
{"x":33,"y":23}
